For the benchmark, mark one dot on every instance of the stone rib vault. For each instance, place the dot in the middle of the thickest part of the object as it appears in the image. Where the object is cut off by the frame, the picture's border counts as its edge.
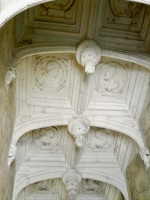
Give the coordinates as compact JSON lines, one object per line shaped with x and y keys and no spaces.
{"x":80,"y":72}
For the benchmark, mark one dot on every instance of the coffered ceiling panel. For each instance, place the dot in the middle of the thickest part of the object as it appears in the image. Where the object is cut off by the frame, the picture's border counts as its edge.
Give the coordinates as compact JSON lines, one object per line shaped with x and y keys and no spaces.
{"x":118,"y":25}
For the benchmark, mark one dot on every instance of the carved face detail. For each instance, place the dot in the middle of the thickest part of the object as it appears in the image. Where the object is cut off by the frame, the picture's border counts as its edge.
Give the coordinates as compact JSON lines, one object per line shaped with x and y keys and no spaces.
{"x":80,"y":140}
{"x":72,"y":185}
{"x":80,"y":129}
{"x":53,"y":69}
{"x":89,"y":60}
{"x":47,"y":136}
{"x":110,"y":72}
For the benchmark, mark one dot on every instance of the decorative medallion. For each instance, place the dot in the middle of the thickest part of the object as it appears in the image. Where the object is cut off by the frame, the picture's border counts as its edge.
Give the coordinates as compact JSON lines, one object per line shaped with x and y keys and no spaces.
{"x":124,"y":8}
{"x":47,"y":138}
{"x":50,"y":73}
{"x":44,"y":186}
{"x":100,"y":138}
{"x":91,"y":186}
{"x":110,"y":78}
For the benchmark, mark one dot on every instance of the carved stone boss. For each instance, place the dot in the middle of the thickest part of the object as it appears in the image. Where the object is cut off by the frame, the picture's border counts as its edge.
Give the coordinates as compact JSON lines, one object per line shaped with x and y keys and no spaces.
{"x":12,"y":154}
{"x":79,"y":127}
{"x":71,"y":179}
{"x":88,"y":55}
{"x":144,"y":154}
{"x":10,"y":75}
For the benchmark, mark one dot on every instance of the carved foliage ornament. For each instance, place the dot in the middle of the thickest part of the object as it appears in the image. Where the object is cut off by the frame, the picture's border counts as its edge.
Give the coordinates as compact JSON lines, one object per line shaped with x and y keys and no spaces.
{"x":99,"y":138}
{"x":71,"y":179}
{"x":10,"y":75}
{"x":144,"y":154}
{"x":50,"y":73}
{"x":44,"y":186}
{"x":78,"y":127}
{"x":91,"y":186}
{"x":88,"y":55}
{"x":47,"y":138}
{"x":12,"y":154}
{"x":110,"y":78}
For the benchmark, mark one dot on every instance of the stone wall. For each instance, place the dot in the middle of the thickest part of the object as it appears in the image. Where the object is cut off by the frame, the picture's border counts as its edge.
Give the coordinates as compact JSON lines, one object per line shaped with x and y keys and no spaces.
{"x":7,"y":112}
{"x":138,"y":176}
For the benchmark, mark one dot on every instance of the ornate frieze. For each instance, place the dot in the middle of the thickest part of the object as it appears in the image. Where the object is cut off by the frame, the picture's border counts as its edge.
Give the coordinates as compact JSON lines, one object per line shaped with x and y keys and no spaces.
{"x":71,"y":179}
{"x":78,"y":127}
{"x":88,"y":55}
{"x":43,"y":187}
{"x":10,"y":75}
{"x":12,"y":154}
{"x":144,"y":154}
{"x":50,"y":73}
{"x":47,"y":138}
{"x":110,"y":78}
{"x":91,"y":186}
{"x":99,"y":138}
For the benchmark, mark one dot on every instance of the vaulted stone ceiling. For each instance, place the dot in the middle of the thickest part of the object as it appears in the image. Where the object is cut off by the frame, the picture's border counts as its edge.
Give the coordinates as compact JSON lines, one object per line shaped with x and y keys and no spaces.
{"x":60,"y":108}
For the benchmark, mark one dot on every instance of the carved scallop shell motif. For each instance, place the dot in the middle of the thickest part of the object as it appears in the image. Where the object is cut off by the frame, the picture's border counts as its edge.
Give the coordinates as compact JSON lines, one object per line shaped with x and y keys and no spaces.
{"x":100,"y":138}
{"x":90,"y":186}
{"x":50,"y":73}
{"x":47,"y":138}
{"x":110,"y":78}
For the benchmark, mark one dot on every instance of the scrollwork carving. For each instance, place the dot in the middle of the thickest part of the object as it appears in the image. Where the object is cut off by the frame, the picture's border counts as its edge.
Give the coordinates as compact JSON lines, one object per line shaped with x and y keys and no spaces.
{"x":43,"y":187}
{"x":110,"y":79}
{"x":99,"y":138}
{"x":47,"y":138}
{"x":50,"y":73}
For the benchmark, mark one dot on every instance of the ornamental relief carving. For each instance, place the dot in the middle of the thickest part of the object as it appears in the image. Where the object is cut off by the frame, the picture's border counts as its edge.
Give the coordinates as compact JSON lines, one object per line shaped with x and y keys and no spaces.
{"x":110,"y":79}
{"x":91,"y":186}
{"x":59,"y":4}
{"x":43,"y":187}
{"x":123,"y":8}
{"x":124,"y":12}
{"x":50,"y":73}
{"x":99,"y":138}
{"x":47,"y":138}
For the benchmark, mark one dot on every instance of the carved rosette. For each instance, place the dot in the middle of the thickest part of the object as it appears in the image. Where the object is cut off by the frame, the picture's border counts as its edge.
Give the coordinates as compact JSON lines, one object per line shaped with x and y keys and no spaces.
{"x":78,"y":127}
{"x":47,"y":138}
{"x":12,"y":154}
{"x":10,"y":75}
{"x":71,"y":179}
{"x":88,"y":55}
{"x":144,"y":154}
{"x":100,"y":138}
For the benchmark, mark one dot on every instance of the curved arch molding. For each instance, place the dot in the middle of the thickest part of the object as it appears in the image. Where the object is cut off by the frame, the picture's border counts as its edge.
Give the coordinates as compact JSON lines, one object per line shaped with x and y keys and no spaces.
{"x":32,"y":177}
{"x":12,"y":9}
